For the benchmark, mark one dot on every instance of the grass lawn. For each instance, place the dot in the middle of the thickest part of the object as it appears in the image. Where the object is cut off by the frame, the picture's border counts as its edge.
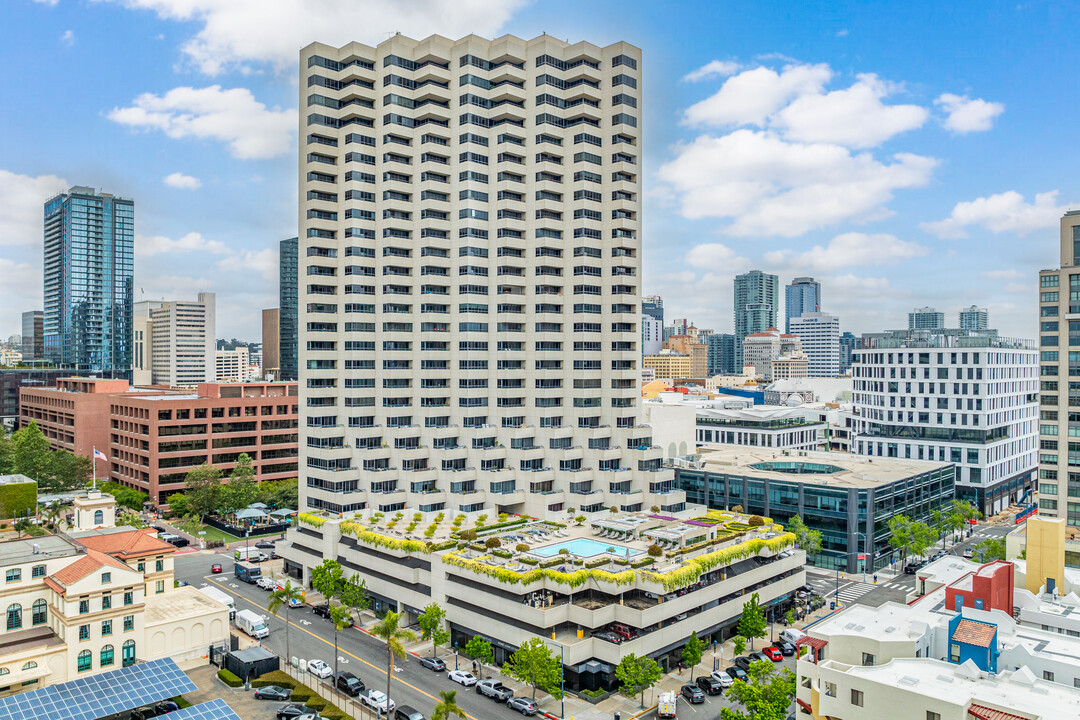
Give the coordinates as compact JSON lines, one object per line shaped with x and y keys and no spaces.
{"x":212,"y":533}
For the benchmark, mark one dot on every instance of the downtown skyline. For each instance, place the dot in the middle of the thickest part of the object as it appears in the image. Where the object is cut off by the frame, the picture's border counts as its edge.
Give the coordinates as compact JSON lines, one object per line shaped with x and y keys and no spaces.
{"x":936,"y":200}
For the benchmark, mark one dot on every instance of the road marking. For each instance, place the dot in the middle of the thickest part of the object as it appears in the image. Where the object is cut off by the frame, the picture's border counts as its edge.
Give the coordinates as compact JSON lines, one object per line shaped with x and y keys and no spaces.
{"x":356,"y":657}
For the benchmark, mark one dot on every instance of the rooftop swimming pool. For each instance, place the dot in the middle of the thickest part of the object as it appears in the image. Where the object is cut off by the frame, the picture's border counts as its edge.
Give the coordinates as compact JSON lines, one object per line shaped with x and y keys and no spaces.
{"x":583,"y":547}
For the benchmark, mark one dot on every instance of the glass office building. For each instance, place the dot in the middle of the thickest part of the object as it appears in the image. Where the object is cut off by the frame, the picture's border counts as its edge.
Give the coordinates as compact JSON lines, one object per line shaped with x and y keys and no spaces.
{"x":287,"y":289}
{"x":850,"y":499}
{"x":89,"y":270}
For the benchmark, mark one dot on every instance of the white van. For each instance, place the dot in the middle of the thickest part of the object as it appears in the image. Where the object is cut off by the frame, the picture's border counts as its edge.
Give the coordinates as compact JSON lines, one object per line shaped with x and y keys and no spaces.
{"x":792,"y":635}
{"x":252,"y":624}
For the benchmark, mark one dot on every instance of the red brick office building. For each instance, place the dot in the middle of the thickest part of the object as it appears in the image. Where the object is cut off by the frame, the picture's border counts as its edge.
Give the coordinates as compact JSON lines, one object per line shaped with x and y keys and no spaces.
{"x":154,"y":436}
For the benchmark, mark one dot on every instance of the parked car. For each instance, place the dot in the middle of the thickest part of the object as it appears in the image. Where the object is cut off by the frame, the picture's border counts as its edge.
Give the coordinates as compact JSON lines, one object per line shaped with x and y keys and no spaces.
{"x":736,"y":673}
{"x":494,"y":690}
{"x":272,"y":692}
{"x":433,"y":663}
{"x":759,"y":656}
{"x":463,"y":677}
{"x":164,"y":708}
{"x":266,"y":583}
{"x":377,"y":700}
{"x":787,"y":648}
{"x":710,"y":685}
{"x":321,"y":610}
{"x":265,"y":545}
{"x":609,"y":636}
{"x":742,"y":662}
{"x":215,"y":568}
{"x":723,"y":678}
{"x":523,"y":705}
{"x":692,"y":693}
{"x":622,"y":631}
{"x":349,"y":684}
{"x":319,"y":669}
{"x":294,"y":711}
{"x":773,"y":653}
{"x":406,"y":712}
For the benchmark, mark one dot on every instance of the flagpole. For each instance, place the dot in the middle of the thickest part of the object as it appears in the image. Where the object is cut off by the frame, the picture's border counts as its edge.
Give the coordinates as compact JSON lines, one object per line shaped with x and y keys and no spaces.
{"x":93,"y":485}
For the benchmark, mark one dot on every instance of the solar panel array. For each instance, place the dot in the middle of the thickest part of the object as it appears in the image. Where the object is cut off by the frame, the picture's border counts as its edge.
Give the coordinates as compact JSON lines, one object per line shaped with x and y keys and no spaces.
{"x":101,"y":695}
{"x":215,"y":709}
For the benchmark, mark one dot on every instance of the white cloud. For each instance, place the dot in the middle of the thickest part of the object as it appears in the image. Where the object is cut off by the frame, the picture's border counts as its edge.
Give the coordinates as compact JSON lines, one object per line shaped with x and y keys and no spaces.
{"x":715,"y":257}
{"x":750,"y":97}
{"x":1004,"y":212}
{"x":850,"y":250}
{"x":182,"y":181}
{"x":964,"y":115}
{"x":716,"y":68}
{"x":855,"y":116}
{"x":263,"y":262}
{"x":1002,"y":274}
{"x":47,"y":2}
{"x":23,"y":202}
{"x":768,"y":186}
{"x":237,"y":32}
{"x":234,"y":117}
{"x":68,"y":38}
{"x":193,"y":242}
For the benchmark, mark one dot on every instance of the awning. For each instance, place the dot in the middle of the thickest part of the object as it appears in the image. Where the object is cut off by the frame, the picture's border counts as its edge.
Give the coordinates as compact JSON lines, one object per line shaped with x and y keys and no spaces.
{"x":804,"y":705}
{"x":813,"y":642}
{"x":981,"y":712}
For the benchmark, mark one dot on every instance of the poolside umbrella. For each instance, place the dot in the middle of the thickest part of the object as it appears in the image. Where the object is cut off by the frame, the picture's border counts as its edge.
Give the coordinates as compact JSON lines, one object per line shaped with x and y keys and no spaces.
{"x":250,"y":514}
{"x":283,"y":512}
{"x":258,"y":506}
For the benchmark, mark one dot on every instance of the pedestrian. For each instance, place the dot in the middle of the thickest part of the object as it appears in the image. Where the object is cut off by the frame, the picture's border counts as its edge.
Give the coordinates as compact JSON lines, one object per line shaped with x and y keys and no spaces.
{"x":680,"y":668}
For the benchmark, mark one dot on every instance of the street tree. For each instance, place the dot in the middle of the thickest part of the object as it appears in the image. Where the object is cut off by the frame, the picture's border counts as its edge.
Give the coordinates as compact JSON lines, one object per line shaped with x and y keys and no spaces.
{"x":766,"y":695}
{"x":900,"y":535}
{"x":534,"y":664}
{"x":341,"y":618}
{"x":242,"y":489}
{"x":637,"y":674}
{"x":479,"y":649}
{"x":447,"y":706}
{"x":353,"y":594}
{"x":433,"y":627}
{"x":178,"y":504}
{"x":692,"y":652}
{"x":738,"y":644}
{"x":389,"y":631}
{"x":990,"y":549}
{"x":752,"y":623}
{"x":31,"y":452}
{"x":326,"y":578}
{"x":203,"y":489}
{"x":285,"y":596}
{"x":809,"y":540}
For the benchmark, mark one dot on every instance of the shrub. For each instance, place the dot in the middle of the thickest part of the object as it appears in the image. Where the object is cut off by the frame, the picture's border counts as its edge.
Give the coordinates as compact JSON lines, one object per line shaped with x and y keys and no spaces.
{"x":300,"y":695}
{"x":522,"y":547}
{"x":564,"y":551}
{"x":481,"y":520}
{"x":229,"y":678}
{"x":411,"y":527}
{"x":468,"y":535}
{"x":492,"y":542}
{"x":502,"y":553}
{"x":655,"y":551}
{"x":594,"y":693}
{"x":503,"y":516}
{"x":417,"y":517}
{"x":655,"y":509}
{"x":528,"y":561}
{"x":755,"y":521}
{"x":274,"y":677}
{"x":317,"y":703}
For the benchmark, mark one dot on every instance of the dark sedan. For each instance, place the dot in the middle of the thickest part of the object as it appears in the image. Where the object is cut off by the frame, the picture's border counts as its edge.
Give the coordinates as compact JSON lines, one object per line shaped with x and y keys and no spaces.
{"x":321,"y":610}
{"x":265,"y":545}
{"x":736,"y":673}
{"x":742,"y":662}
{"x":692,"y":693}
{"x":293,"y":710}
{"x":272,"y":692}
{"x":710,"y":685}
{"x":433,"y":663}
{"x":785,"y":647}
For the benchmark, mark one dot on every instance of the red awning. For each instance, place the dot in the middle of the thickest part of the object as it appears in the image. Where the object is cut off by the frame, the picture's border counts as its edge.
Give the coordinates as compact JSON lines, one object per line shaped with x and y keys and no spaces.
{"x":981,"y":712}
{"x":813,"y":642}
{"x":804,"y":705}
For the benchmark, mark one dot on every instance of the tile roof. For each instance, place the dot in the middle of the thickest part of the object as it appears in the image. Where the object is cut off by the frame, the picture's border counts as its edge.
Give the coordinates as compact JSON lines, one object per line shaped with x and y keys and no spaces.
{"x":987,"y":713}
{"x":975,"y":633}
{"x":91,"y":562}
{"x":127,"y":544}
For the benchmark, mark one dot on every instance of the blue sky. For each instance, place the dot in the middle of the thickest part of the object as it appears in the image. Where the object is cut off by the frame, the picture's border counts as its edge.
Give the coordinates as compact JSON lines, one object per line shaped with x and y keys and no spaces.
{"x":902,"y":153}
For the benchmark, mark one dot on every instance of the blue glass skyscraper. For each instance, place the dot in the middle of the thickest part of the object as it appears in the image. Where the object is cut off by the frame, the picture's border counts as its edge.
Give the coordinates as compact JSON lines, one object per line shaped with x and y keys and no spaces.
{"x":288,"y":334}
{"x":89,"y":278}
{"x":803,"y":295}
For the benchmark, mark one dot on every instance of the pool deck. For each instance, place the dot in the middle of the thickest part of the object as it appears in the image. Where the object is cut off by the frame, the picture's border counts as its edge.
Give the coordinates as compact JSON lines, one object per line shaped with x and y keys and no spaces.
{"x":584,"y":547}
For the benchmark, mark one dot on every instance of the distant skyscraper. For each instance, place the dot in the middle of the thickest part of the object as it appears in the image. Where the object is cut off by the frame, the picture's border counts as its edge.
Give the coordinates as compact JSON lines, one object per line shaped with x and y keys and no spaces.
{"x":756,"y":296}
{"x":722,"y":358}
{"x":287,"y":284}
{"x":652,"y":324}
{"x":182,"y":343}
{"x":926,"y":318}
{"x":848,"y":342}
{"x":973,"y":318}
{"x":679,"y":326}
{"x":820,"y":336}
{"x":89,"y":271}
{"x":271,"y":342}
{"x":33,"y":338}
{"x":803,"y":295}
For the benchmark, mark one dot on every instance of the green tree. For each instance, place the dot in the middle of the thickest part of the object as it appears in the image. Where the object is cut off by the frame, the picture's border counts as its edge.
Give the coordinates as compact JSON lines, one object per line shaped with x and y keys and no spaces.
{"x":178,"y":504}
{"x":203,"y":489}
{"x":922,"y":538}
{"x":284,"y":596}
{"x":353,"y":595}
{"x":752,"y":623}
{"x":534,"y":664}
{"x":738,"y":644}
{"x":900,"y":535}
{"x":961,"y":513}
{"x":432,"y":627}
{"x":692,"y":652}
{"x":636,"y":675}
{"x":766,"y":695}
{"x":341,"y":619}
{"x":326,"y":578}
{"x":938,"y":523}
{"x":447,"y":706}
{"x":31,"y":452}
{"x":242,"y":489}
{"x":990,"y":549}
{"x":125,"y":497}
{"x":67,"y":471}
{"x":279,"y":493}
{"x":809,"y":540}
{"x":130,"y":519}
{"x":22,"y":525}
{"x":478,"y":649}
{"x":7,"y":454}
{"x":388,"y":631}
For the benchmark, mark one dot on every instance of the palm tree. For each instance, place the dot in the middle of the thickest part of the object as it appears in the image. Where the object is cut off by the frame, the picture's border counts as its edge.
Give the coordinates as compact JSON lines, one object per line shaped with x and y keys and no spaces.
{"x":447,"y":706}
{"x":387,"y":630}
{"x":342,"y":618}
{"x":285,"y":596}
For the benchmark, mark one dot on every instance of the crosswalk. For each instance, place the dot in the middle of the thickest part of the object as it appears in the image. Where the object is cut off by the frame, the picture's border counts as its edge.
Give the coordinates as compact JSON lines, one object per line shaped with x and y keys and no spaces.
{"x":853,"y":591}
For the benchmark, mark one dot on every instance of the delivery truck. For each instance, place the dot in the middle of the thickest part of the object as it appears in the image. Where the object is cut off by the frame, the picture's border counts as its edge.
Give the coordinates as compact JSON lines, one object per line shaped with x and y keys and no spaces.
{"x":223,"y":598}
{"x":252,"y":624}
{"x":665,"y":704}
{"x":250,"y":554}
{"x":247,"y":572}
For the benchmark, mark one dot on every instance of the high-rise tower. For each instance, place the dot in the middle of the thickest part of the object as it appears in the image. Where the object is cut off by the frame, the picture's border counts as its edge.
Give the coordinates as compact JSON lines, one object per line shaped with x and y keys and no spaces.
{"x":802,"y":296}
{"x":470,"y":300}
{"x":288,"y":328}
{"x":89,"y":271}
{"x":756,"y":297}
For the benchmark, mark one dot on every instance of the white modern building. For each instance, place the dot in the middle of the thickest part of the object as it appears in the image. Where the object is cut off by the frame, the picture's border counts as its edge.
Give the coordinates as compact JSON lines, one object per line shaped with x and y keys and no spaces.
{"x":819,"y":333}
{"x":972,"y":401}
{"x":763,"y":348}
{"x":173,"y":341}
{"x":232,"y":365}
{"x":974,"y":318}
{"x":470,"y":302}
{"x":926,"y":318}
{"x":652,"y":334}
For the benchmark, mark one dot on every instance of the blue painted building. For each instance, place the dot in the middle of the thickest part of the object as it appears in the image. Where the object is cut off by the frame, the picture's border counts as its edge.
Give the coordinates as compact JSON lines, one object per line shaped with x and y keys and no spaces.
{"x":973,"y":640}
